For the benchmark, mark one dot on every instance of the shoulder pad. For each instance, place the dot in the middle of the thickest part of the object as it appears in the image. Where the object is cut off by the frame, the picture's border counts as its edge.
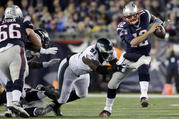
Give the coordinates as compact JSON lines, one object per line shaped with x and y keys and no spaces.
{"x":145,"y":13}
{"x":122,"y":25}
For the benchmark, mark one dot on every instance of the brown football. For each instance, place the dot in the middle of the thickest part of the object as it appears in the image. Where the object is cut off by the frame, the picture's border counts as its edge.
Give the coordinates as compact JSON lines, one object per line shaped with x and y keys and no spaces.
{"x":160,"y":32}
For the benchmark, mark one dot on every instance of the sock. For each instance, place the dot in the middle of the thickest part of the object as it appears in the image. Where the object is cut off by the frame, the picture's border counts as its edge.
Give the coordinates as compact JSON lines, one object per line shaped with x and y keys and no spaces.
{"x":73,"y":97}
{"x":109,"y":104}
{"x":16,"y":94}
{"x":144,"y":88}
{"x":9,"y":98}
{"x":31,"y":111}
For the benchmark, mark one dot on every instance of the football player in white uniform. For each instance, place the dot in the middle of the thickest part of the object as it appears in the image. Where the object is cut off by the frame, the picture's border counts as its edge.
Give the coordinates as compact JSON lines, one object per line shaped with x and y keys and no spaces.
{"x":73,"y":72}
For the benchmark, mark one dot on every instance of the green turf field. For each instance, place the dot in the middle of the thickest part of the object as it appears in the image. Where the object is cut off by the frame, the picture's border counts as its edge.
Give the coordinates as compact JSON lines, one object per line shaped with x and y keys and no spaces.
{"x":125,"y":107}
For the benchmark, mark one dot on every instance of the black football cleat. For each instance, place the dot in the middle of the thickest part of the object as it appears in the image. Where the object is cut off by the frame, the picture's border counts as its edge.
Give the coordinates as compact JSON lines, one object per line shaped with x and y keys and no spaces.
{"x":56,"y":108}
{"x":105,"y":113}
{"x":8,"y":112}
{"x":144,"y":102}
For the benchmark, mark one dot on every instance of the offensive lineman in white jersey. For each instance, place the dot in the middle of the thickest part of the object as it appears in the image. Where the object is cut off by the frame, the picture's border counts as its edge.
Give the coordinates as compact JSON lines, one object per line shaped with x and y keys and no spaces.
{"x":73,"y":72}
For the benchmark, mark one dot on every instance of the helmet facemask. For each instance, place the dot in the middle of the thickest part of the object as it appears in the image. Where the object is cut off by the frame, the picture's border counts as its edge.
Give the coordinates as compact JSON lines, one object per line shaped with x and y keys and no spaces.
{"x":104,"y":47}
{"x":12,"y":12}
{"x":43,"y":36}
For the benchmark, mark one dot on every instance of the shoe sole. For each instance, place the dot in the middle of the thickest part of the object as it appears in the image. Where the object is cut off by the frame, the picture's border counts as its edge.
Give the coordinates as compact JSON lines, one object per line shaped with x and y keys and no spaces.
{"x":104,"y":115}
{"x":144,"y":104}
{"x":19,"y":111}
{"x":8,"y":115}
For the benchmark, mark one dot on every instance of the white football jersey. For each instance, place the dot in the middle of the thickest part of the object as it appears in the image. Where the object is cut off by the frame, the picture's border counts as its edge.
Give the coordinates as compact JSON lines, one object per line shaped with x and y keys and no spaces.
{"x":77,"y":65}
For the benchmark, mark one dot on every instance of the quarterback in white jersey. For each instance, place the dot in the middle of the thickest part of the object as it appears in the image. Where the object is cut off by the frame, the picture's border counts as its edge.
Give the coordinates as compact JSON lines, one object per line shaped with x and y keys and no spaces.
{"x":73,"y":72}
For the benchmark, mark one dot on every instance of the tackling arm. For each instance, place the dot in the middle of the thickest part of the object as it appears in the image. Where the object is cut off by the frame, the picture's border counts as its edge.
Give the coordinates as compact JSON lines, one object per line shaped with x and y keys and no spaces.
{"x":102,"y":69}
{"x":33,"y":38}
{"x":34,"y":64}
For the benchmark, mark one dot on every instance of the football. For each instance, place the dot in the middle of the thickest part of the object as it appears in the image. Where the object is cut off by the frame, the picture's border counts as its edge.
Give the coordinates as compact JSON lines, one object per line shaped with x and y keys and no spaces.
{"x":160,"y":32}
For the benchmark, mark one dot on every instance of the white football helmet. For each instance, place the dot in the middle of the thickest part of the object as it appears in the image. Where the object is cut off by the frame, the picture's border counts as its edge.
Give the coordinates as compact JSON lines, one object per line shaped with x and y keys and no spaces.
{"x":12,"y":11}
{"x":130,"y":13}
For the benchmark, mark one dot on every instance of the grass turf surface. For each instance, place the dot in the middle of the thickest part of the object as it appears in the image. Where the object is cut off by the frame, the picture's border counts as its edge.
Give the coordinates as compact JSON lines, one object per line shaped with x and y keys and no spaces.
{"x":125,"y":107}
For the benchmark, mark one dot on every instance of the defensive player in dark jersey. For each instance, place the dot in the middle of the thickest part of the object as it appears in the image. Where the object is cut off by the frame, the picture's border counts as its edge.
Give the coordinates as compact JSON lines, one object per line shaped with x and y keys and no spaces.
{"x":32,"y":100}
{"x":134,"y":33}
{"x":13,"y":35}
{"x":32,"y":52}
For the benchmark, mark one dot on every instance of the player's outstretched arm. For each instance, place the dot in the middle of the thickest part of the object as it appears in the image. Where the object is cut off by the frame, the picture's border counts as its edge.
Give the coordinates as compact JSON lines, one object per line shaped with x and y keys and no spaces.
{"x":102,"y":69}
{"x":35,"y":64}
{"x":136,"y":41}
{"x":33,"y":38}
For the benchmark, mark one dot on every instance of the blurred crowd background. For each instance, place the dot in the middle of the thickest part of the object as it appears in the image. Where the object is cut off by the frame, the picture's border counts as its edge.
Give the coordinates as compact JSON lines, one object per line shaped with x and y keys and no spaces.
{"x":73,"y":24}
{"x":86,"y":16}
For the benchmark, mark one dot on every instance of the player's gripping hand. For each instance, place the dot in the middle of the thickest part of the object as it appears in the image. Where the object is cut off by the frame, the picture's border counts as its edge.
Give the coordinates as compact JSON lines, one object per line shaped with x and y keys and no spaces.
{"x":51,"y":50}
{"x":121,"y":68}
{"x":51,"y":62}
{"x":154,"y":27}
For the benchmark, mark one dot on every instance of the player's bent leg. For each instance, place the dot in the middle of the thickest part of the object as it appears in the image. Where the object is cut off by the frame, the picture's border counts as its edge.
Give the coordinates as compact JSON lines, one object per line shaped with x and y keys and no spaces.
{"x":81,"y":86}
{"x":141,"y":61}
{"x":16,"y":93}
{"x":111,"y":92}
{"x":144,"y":79}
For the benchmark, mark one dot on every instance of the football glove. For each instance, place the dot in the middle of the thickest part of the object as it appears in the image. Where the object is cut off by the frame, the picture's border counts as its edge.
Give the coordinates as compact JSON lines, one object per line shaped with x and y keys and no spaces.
{"x":51,"y":62}
{"x":52,"y":50}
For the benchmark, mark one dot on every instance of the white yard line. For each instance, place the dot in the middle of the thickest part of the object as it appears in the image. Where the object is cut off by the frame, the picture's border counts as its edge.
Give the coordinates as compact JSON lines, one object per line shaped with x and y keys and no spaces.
{"x":134,"y":95}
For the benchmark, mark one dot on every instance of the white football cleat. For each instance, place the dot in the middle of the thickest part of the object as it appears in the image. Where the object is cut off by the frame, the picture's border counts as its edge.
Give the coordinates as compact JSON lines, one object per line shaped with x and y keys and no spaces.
{"x":18,"y":110}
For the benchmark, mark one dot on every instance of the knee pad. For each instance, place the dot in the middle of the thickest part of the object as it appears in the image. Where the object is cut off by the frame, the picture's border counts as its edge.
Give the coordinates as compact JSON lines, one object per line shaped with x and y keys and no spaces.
{"x":9,"y":86}
{"x":143,"y":72}
{"x":18,"y":85}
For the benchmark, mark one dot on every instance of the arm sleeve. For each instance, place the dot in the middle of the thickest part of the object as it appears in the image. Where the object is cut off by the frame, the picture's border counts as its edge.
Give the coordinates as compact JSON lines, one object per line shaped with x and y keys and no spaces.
{"x":145,"y":16}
